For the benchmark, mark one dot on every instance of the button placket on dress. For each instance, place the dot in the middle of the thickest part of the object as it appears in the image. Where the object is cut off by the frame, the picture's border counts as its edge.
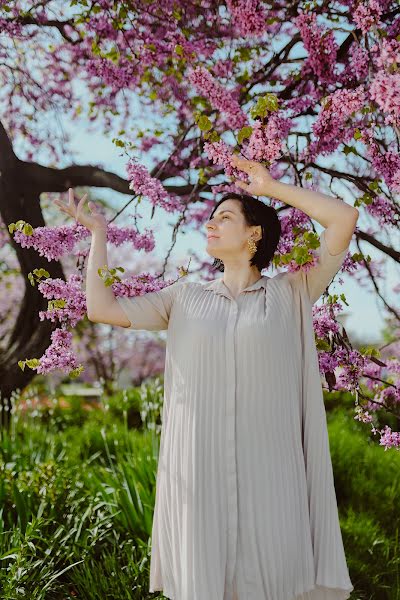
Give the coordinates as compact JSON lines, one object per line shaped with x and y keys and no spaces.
{"x":231,"y":447}
{"x":231,"y":473}
{"x":231,"y":573}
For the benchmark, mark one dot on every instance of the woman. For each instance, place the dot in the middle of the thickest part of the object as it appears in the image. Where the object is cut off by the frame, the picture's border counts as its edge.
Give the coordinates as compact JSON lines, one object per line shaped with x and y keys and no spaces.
{"x":245,"y":503}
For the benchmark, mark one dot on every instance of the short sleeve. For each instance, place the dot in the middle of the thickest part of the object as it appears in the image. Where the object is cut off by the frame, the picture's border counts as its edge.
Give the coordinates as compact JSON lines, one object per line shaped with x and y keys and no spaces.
{"x":318,"y":277}
{"x":151,"y":311}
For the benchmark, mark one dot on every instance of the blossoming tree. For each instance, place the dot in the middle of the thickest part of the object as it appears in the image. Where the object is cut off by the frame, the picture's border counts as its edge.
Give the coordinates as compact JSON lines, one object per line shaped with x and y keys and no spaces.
{"x":310,"y":91}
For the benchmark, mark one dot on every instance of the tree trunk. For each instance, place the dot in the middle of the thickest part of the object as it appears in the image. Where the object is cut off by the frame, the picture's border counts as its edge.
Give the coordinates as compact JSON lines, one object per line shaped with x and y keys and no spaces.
{"x":30,"y":336}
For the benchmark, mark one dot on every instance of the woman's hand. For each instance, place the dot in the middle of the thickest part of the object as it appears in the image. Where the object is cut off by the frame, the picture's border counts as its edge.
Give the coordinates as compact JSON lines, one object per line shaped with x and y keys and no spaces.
{"x":91,"y":221}
{"x":261,"y":181}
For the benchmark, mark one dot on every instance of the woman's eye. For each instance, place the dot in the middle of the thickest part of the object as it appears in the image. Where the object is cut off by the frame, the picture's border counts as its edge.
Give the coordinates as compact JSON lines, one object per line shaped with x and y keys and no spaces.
{"x":225,"y":217}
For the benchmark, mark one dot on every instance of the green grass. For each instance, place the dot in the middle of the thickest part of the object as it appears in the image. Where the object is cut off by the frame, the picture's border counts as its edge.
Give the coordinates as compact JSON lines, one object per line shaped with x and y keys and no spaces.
{"x":77,"y":491}
{"x":367,"y":483}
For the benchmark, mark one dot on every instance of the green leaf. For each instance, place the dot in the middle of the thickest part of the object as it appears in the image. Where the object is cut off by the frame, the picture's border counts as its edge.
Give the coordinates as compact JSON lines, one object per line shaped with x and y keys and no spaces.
{"x":322,"y":344}
{"x":213,"y":136}
{"x":265,"y":104}
{"x":204,"y":123}
{"x":366,"y":198}
{"x":374,"y":185}
{"x":244,"y":133}
{"x":75,"y":372}
{"x":349,"y":149}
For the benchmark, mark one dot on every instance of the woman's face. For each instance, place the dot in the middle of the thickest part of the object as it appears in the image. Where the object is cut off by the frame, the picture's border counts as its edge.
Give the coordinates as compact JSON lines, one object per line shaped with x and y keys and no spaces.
{"x":229,"y":232}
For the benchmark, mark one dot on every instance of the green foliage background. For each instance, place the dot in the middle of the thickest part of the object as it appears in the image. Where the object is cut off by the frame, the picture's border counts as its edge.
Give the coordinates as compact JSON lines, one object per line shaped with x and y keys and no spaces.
{"x":77,"y":491}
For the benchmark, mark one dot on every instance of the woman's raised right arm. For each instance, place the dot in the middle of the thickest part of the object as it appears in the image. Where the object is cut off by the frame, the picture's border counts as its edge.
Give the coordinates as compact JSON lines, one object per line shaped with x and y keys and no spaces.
{"x":102,"y":307}
{"x":101,"y":304}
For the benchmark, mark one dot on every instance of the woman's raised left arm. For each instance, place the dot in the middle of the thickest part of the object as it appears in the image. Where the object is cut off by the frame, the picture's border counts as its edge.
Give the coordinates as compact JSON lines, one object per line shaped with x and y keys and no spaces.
{"x":338,"y":218}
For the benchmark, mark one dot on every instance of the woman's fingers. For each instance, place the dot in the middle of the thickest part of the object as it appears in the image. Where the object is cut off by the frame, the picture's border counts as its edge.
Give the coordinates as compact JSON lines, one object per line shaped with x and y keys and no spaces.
{"x":242,"y":184}
{"x":242,"y":163}
{"x":63,"y":207}
{"x":81,"y":201}
{"x":71,"y":197}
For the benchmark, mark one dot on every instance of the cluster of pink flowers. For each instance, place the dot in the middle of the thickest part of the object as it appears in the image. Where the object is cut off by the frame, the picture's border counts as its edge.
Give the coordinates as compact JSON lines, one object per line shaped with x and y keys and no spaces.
{"x":70,"y":291}
{"x":363,"y":415}
{"x":308,"y":98}
{"x":137,"y":285}
{"x":265,"y":142}
{"x":352,"y":365}
{"x":390,"y":396}
{"x":320,"y":45}
{"x":389,"y":438}
{"x":357,"y":67}
{"x":141,"y":182}
{"x":54,"y":242}
{"x":330,"y":127}
{"x":366,"y":15}
{"x":324,"y":320}
{"x":220,"y":98}
{"x":389,"y":53}
{"x":385,"y":90}
{"x":292,"y":218}
{"x":384,"y":211}
{"x":372,"y":370}
{"x":146,"y":143}
{"x":249,"y":16}
{"x":140,"y":241}
{"x":223,"y":68}
{"x":386,"y":164}
{"x":118,"y":77}
{"x":220,"y":153}
{"x":59,"y":354}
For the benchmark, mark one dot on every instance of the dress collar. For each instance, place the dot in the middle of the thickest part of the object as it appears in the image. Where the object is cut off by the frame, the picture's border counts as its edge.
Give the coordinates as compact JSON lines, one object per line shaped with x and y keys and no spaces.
{"x":218,"y":286}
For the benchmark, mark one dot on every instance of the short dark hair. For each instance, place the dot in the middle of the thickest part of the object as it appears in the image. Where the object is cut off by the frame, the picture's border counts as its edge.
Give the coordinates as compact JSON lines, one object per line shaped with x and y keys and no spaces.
{"x":256,"y":212}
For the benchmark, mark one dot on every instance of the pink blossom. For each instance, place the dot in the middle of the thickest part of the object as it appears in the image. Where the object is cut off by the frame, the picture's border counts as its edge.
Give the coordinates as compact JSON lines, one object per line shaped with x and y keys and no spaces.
{"x":389,"y":52}
{"x":351,"y":371}
{"x":71,"y":291}
{"x":223,"y":68}
{"x":249,"y":16}
{"x":220,"y":153}
{"x":390,"y":439}
{"x":324,"y":321}
{"x":386,"y":164}
{"x":383,"y":210}
{"x":367,"y":15}
{"x":320,"y":45}
{"x":265,"y":142}
{"x":55,"y":242}
{"x":220,"y":98}
{"x":59,"y":354}
{"x":142,"y":183}
{"x":138,"y":285}
{"x":331,"y":126}
{"x":357,"y":67}
{"x":385,"y":90}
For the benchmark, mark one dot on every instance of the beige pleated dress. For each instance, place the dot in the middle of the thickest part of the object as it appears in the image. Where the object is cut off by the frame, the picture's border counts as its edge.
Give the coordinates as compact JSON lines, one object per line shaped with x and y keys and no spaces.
{"x":245,"y":504}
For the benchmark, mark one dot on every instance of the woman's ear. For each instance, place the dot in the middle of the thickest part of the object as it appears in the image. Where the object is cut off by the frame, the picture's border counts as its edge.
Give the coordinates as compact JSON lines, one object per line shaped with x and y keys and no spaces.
{"x":258,"y":232}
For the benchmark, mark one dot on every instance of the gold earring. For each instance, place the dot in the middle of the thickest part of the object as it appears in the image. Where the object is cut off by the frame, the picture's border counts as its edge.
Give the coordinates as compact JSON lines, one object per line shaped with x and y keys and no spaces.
{"x":252,"y":245}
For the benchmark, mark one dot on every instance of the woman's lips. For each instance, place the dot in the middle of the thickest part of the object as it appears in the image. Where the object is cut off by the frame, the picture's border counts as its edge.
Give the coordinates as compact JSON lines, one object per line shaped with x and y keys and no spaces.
{"x":211,"y":236}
